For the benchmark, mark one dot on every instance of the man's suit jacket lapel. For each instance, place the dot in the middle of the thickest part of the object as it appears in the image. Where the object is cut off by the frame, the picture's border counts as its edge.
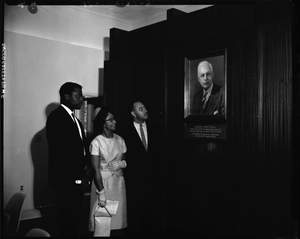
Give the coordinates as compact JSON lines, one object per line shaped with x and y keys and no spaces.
{"x":151,"y":136}
{"x":82,"y":131}
{"x":213,"y":100}
{"x":71,"y":124}
{"x":81,"y":128}
{"x":137,"y":138}
{"x":200,"y":102}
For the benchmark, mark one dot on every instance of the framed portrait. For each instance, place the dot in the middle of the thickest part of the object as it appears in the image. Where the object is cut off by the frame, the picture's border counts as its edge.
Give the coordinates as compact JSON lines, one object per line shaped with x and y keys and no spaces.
{"x":205,"y":86}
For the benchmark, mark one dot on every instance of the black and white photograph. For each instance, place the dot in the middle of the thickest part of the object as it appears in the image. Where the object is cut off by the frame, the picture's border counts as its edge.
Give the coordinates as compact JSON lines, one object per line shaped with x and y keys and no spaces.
{"x":205,"y":85}
{"x":149,"y":119}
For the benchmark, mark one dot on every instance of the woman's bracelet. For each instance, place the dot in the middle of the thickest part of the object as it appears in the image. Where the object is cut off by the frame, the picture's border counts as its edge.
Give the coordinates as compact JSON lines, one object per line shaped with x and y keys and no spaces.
{"x":100,"y":192}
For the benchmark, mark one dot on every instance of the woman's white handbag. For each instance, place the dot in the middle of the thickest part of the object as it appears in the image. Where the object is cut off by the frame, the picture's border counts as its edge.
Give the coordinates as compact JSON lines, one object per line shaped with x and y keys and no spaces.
{"x":102,"y":218}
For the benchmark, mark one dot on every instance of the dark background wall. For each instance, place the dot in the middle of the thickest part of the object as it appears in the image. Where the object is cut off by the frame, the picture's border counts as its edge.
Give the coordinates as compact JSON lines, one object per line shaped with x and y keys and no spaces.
{"x":246,"y":185}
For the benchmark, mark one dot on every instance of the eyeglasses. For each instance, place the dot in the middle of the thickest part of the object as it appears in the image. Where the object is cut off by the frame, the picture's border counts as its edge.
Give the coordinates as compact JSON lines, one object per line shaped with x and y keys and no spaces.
{"x":110,"y":120}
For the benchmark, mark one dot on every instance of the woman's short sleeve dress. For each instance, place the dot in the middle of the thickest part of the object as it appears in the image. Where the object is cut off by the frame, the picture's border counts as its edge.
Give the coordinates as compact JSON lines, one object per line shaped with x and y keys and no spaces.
{"x":109,"y":150}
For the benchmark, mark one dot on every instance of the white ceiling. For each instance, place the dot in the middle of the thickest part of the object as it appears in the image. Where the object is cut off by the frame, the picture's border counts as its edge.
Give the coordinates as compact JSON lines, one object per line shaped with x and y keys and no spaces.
{"x":136,"y":13}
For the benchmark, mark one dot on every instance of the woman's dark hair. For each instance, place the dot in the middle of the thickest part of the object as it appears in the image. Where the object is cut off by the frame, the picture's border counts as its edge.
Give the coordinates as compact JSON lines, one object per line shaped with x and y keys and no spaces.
{"x":100,"y":120}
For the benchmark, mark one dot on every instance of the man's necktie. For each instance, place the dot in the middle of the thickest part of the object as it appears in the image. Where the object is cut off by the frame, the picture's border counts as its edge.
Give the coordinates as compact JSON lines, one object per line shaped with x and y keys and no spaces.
{"x":77,"y":125}
{"x":143,"y":136}
{"x":204,"y":101}
{"x":74,"y":118}
{"x":79,"y":130}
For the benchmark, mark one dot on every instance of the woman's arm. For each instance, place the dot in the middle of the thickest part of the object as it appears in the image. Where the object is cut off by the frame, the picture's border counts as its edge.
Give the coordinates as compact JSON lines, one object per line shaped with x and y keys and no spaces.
{"x":95,"y":161}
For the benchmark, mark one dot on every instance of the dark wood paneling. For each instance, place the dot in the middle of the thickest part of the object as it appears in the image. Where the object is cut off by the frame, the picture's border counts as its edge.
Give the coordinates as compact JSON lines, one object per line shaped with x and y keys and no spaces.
{"x":118,"y":43}
{"x":241,"y":186}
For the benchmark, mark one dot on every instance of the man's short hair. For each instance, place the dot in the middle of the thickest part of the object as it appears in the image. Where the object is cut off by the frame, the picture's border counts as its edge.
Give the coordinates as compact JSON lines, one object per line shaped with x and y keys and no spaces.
{"x":68,"y":88}
{"x":202,"y":63}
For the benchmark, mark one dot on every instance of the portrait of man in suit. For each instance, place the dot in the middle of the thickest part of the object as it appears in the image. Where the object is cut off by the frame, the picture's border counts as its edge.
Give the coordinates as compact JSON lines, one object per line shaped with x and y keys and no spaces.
{"x":210,"y":99}
{"x":205,"y":85}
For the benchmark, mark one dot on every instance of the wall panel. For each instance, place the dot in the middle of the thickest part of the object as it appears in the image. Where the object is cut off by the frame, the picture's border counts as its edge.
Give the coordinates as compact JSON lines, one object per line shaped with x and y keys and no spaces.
{"x":240,"y":186}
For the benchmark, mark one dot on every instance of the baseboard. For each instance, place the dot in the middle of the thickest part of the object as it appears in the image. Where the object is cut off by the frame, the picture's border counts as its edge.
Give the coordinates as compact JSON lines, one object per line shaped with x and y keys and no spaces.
{"x":47,"y":210}
{"x":40,"y":212}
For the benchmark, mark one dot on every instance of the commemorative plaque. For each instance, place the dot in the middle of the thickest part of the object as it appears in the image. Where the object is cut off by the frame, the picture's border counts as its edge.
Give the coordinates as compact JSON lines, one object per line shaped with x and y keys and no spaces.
{"x":196,"y":131}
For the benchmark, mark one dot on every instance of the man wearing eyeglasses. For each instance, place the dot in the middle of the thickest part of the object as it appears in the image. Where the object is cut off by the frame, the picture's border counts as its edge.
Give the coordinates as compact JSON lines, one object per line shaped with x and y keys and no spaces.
{"x":210,"y":99}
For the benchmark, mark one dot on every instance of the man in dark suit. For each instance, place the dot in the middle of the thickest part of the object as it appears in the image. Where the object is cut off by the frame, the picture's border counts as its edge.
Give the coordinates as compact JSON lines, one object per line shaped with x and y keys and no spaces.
{"x":143,"y":179}
{"x":210,"y":99}
{"x":67,"y":157}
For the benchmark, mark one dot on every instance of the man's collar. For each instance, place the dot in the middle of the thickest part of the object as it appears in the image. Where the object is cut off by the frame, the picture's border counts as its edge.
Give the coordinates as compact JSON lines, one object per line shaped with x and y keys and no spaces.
{"x":209,"y":89}
{"x":67,"y":109}
{"x":136,"y":123}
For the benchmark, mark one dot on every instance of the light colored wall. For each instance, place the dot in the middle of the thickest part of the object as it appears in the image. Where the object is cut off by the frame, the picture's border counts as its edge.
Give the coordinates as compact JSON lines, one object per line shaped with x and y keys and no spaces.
{"x":44,"y":50}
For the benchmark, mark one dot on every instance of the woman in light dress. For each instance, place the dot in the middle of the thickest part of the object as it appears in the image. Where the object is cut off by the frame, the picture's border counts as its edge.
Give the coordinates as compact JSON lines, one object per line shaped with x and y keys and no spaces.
{"x":107,"y":151}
